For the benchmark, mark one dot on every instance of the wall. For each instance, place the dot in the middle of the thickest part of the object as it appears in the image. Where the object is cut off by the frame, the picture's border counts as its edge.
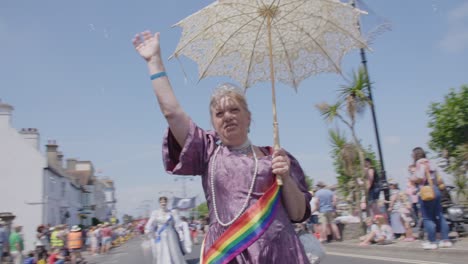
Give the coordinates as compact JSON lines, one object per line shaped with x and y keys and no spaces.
{"x":21,"y":184}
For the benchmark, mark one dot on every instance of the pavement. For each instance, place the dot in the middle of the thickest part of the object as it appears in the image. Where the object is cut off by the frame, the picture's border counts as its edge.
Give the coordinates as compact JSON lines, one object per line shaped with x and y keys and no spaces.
{"x":131,"y":252}
{"x":460,"y":247}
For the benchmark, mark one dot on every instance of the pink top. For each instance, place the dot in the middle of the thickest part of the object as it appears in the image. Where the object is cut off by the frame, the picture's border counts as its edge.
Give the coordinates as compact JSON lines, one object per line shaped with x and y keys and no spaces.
{"x":106,"y":232}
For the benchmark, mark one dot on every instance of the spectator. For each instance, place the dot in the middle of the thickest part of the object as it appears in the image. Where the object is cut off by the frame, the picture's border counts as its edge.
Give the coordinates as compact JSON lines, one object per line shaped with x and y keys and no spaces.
{"x":431,"y":211}
{"x":89,"y":235}
{"x":16,"y":245}
{"x":373,"y":187}
{"x":106,"y":234}
{"x":3,"y":239}
{"x":412,"y":192}
{"x":378,"y":231}
{"x":406,"y":217}
{"x":56,"y":257}
{"x":193,"y":230}
{"x":75,"y":243}
{"x":95,"y":239}
{"x":30,"y":259}
{"x":56,"y":240}
{"x":326,"y":203}
{"x":314,"y":217}
{"x":42,"y":243}
{"x":394,"y":209}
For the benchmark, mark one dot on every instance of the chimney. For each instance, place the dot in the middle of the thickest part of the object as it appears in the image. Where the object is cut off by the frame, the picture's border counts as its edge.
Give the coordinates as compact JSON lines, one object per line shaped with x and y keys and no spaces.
{"x":5,"y":114}
{"x":60,"y":159}
{"x":51,"y":149}
{"x":71,"y":164}
{"x":31,"y":136}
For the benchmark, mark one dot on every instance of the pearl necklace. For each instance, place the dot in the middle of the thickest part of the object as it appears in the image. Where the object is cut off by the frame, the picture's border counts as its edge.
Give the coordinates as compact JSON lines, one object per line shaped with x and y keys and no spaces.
{"x":244,"y":206}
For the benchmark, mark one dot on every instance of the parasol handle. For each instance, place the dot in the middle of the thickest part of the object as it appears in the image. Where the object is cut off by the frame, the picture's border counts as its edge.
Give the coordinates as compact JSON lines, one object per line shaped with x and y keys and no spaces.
{"x":276,"y":145}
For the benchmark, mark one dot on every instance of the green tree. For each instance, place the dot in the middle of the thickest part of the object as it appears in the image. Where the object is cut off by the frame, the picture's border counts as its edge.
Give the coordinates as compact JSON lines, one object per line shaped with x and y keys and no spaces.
{"x":449,"y":122}
{"x":338,"y":142}
{"x":202,"y":209}
{"x":310,"y":182}
{"x":458,"y":166}
{"x":449,"y":135}
{"x":346,"y":161}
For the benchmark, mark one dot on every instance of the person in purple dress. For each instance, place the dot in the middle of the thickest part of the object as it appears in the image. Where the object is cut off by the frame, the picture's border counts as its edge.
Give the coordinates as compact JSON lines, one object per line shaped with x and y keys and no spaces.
{"x":235,"y":173}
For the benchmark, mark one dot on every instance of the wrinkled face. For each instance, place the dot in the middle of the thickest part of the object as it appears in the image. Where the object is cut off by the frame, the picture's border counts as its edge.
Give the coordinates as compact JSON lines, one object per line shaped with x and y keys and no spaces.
{"x":231,"y":121}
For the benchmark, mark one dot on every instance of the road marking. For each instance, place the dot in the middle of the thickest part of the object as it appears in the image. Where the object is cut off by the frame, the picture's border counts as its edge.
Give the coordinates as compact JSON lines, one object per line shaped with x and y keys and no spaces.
{"x":411,"y":261}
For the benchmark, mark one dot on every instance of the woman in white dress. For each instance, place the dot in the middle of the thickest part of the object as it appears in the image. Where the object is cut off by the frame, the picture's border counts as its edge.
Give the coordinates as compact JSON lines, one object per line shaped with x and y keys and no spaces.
{"x":165,"y":242}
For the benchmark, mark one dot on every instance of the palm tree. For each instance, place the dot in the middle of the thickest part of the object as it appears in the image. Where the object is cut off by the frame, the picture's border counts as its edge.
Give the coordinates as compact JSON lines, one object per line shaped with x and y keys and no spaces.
{"x":337,"y":142}
{"x":352,"y":101}
{"x":346,"y":155}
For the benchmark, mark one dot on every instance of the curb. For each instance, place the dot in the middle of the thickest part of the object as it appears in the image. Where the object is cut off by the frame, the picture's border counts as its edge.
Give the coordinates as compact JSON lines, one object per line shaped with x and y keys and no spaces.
{"x":393,"y":248}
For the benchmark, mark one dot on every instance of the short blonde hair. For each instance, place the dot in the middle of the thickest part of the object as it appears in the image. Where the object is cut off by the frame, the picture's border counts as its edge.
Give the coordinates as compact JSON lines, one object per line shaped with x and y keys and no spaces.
{"x":231,"y":91}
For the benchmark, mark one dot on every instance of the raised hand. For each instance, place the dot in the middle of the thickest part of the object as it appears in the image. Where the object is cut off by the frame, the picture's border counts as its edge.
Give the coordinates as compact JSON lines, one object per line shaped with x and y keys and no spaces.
{"x":147,"y":45}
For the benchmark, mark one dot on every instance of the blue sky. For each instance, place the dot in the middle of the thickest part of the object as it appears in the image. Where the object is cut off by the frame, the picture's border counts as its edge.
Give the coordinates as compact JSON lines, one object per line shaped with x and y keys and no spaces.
{"x":69,"y":69}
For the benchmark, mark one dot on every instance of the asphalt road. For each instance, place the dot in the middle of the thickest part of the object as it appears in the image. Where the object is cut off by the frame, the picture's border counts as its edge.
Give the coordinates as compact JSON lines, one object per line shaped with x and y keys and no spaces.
{"x":132,"y":253}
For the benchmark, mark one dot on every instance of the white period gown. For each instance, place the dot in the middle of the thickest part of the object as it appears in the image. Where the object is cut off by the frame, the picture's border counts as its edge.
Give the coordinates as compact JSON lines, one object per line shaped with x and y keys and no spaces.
{"x":164,"y":239}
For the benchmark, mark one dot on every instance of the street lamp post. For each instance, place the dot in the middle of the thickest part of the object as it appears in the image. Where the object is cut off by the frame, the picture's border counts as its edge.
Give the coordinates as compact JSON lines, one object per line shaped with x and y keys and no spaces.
{"x":383,"y":176}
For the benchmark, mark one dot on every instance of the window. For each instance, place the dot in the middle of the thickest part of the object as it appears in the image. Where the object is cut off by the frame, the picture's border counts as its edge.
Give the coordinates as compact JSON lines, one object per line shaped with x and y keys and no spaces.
{"x":63,"y":189}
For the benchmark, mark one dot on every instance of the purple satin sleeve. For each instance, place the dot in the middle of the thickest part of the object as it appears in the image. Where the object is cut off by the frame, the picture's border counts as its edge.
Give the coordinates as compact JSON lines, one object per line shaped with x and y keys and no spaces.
{"x":297,"y":174}
{"x":193,"y":157}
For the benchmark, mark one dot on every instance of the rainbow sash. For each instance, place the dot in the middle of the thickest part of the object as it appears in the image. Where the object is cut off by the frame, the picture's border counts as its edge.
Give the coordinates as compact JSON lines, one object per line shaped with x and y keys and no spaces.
{"x":245,"y":230}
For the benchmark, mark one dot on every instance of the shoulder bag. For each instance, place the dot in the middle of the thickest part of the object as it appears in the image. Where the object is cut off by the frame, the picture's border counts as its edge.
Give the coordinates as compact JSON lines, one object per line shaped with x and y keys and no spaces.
{"x":427,"y":192}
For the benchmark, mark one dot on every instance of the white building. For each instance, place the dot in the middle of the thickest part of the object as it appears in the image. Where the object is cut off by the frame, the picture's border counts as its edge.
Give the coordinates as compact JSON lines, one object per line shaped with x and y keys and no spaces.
{"x":100,"y":200}
{"x":37,"y":189}
{"x":109,"y":191}
{"x":94,"y":199}
{"x":62,"y":193}
{"x":21,"y":175}
{"x":34,"y":187}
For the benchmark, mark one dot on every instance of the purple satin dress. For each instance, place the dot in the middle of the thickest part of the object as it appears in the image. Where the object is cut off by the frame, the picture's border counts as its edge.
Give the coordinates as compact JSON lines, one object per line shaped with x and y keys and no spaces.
{"x":233,"y":176}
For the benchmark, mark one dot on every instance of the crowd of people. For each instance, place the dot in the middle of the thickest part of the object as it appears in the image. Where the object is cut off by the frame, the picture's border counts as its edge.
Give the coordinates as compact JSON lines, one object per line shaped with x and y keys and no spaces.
{"x":62,"y":244}
{"x":389,"y":220}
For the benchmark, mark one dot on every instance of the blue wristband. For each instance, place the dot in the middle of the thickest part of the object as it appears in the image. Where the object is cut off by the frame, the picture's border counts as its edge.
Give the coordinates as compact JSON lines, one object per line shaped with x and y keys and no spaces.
{"x":158,"y":75}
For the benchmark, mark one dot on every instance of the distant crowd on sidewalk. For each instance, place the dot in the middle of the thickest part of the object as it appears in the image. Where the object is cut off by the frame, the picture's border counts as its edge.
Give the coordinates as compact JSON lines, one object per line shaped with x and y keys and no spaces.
{"x":60,"y":244}
{"x":391,"y":220}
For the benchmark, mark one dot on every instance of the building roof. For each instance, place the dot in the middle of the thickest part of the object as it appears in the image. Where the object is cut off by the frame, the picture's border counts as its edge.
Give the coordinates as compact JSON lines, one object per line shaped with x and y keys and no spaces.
{"x":4,"y":107}
{"x":108,"y":182}
{"x":61,"y":173}
{"x":56,"y":169}
{"x":83,"y":177}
